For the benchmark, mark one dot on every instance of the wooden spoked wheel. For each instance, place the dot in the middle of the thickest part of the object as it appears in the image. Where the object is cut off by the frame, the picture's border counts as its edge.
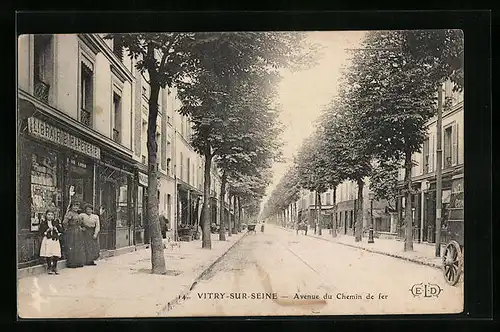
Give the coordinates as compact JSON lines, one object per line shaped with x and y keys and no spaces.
{"x":452,"y":263}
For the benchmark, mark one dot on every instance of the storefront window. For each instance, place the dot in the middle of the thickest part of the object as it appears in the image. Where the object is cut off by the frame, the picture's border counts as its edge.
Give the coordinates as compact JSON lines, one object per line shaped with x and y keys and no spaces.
{"x":122,"y":219}
{"x":45,"y":188}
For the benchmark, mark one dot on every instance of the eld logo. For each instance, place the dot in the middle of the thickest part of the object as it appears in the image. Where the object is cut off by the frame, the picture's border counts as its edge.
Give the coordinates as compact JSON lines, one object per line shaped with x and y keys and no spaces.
{"x":425,"y":290}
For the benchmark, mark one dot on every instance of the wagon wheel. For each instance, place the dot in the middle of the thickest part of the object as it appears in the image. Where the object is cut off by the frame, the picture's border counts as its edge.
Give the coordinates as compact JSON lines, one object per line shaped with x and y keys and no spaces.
{"x":452,"y":263}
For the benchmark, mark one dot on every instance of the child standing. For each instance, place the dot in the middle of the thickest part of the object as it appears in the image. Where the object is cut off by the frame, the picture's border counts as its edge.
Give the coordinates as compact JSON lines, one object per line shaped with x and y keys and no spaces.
{"x":51,"y":231}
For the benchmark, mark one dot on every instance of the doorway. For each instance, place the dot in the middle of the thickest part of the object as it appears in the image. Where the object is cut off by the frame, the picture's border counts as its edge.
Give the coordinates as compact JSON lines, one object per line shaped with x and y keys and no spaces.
{"x":107,"y":236}
{"x":81,"y":177}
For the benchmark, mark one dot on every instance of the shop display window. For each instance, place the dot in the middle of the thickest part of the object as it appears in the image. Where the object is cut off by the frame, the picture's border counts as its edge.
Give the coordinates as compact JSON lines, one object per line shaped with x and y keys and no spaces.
{"x":45,"y":186}
{"x":122,"y":204}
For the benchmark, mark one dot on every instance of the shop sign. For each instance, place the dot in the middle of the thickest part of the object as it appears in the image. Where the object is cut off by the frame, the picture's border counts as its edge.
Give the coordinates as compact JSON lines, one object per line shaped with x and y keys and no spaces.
{"x":43,"y":130}
{"x":77,"y":163}
{"x":143,"y":179}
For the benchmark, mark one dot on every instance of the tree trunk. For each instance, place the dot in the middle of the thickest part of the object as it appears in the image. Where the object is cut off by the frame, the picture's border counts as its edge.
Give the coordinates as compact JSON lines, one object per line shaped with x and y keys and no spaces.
{"x":206,"y":241}
{"x":233,"y":226}
{"x":358,"y":232}
{"x":317,"y":214}
{"x":334,"y":222}
{"x":319,"y":217}
{"x":236,"y":221}
{"x":239,"y":214}
{"x":408,"y":217}
{"x":222,"y":229}
{"x":229,"y":226}
{"x":157,"y":256}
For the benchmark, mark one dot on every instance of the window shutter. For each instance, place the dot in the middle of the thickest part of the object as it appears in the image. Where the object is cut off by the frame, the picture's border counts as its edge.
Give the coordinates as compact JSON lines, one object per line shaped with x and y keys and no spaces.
{"x":454,"y":151}
{"x":431,"y":153}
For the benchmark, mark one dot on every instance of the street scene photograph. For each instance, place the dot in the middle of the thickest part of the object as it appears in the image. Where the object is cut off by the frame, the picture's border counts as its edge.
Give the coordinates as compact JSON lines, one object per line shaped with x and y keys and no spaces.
{"x":245,"y":173}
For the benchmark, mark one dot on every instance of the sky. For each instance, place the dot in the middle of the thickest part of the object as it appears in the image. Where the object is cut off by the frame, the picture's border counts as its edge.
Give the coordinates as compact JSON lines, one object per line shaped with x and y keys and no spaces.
{"x":303,"y":95}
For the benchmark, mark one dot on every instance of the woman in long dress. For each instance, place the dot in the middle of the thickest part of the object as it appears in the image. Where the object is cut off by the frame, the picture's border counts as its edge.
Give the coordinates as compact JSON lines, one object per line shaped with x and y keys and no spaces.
{"x":91,"y":228}
{"x":50,"y":248}
{"x":73,"y":237}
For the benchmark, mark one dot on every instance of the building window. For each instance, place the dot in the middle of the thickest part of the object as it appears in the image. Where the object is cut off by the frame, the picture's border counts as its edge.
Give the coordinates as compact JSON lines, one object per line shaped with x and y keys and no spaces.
{"x":158,"y":151}
{"x":87,"y":89}
{"x":144,"y":140}
{"x":122,"y":219}
{"x":328,"y":200}
{"x":448,"y":147}
{"x":454,"y":144}
{"x":168,"y":165}
{"x":42,"y":66}
{"x":426,"y":156}
{"x":117,"y":116}
{"x":188,"y":170}
{"x":193,"y":175}
{"x":181,"y":175}
{"x":118,"y":48}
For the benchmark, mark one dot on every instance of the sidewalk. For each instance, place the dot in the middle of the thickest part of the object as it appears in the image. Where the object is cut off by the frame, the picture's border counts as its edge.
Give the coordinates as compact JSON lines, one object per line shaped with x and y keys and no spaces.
{"x":422,"y":253}
{"x":120,"y":286}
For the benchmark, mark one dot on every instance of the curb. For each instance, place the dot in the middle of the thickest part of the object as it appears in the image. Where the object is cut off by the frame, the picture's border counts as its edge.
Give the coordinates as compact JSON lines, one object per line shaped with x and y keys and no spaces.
{"x":409,"y":259}
{"x":170,"y":304}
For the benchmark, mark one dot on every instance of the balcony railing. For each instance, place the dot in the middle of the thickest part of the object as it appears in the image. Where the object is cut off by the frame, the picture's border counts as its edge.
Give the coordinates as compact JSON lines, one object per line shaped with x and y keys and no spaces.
{"x":85,"y":118}
{"x":41,"y":90}
{"x":116,"y":135}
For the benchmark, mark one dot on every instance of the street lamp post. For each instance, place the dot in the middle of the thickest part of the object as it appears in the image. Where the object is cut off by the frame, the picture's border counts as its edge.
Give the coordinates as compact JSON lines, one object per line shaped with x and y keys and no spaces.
{"x":370,"y":233}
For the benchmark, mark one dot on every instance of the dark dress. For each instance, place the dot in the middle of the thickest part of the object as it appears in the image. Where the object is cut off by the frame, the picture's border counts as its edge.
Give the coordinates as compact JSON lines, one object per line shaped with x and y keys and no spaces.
{"x":73,"y":240}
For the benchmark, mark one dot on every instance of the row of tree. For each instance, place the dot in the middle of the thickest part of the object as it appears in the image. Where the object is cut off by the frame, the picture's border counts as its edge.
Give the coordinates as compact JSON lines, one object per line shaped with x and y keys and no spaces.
{"x":377,"y":121}
{"x":225,"y":82}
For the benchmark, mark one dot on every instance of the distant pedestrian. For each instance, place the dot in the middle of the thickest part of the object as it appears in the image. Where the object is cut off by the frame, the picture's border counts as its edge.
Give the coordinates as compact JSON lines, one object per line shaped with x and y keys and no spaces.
{"x":91,"y":228}
{"x":163,"y":225}
{"x":50,"y":248}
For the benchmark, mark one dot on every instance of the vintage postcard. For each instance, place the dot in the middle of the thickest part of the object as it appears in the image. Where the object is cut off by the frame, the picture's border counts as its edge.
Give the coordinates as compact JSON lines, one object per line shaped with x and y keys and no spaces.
{"x":240,"y":174}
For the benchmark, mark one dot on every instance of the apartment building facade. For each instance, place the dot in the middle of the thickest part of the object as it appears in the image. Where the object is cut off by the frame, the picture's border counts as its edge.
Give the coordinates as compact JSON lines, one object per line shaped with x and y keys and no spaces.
{"x":304,"y":209}
{"x":82,"y":123}
{"x":424,"y":172}
{"x":75,"y":112}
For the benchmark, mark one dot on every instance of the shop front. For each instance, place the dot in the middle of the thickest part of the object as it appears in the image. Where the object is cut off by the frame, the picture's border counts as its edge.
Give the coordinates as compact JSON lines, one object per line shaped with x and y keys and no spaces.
{"x":430,"y":209}
{"x":141,"y":235}
{"x":50,"y":161}
{"x":55,"y":156}
{"x":115,"y":183}
{"x":214,"y":225}
{"x":188,"y":211}
{"x":346,"y":216}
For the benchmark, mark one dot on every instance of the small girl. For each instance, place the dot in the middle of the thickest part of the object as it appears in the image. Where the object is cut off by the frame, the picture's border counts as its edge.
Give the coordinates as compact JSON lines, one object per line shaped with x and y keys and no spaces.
{"x":51,"y":231}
